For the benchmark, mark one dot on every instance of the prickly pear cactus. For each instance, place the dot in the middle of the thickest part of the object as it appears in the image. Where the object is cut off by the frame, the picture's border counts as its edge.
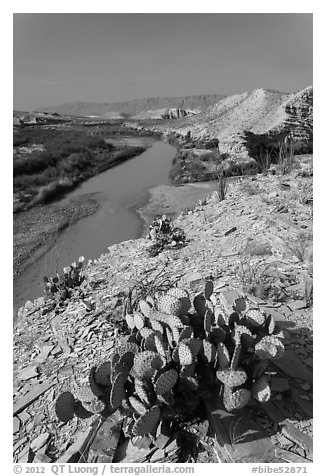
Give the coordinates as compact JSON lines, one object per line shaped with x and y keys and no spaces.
{"x":175,"y":352}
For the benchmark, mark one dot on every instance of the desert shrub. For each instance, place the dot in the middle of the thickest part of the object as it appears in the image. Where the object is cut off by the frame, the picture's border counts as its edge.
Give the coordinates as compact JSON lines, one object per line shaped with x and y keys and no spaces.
{"x":286,"y":155}
{"x":164,"y":236}
{"x":258,"y":277}
{"x":250,"y":188}
{"x":257,"y":248}
{"x":299,"y":245}
{"x":222,"y":185}
{"x":264,"y":159}
{"x":307,"y":286}
{"x":47,"y":192}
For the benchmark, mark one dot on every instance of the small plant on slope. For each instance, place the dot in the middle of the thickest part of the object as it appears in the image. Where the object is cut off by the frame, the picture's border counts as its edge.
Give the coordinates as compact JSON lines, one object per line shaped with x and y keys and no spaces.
{"x":60,"y":288}
{"x":164,"y":236}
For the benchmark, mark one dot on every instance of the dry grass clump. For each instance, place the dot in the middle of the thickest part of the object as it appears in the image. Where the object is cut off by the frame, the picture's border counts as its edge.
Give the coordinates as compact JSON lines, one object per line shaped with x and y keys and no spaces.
{"x":256,"y":277}
{"x":257,"y":248}
{"x":222,"y":185}
{"x":300,"y":246}
{"x":250,"y":188}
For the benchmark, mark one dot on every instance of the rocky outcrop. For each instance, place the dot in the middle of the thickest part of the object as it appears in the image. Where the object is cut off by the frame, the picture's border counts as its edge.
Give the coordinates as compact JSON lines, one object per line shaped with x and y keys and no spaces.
{"x":178,"y":113}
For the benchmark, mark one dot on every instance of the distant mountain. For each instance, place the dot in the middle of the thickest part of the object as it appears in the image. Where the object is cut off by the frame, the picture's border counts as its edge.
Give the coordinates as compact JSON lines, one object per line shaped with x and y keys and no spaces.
{"x":135,"y":106}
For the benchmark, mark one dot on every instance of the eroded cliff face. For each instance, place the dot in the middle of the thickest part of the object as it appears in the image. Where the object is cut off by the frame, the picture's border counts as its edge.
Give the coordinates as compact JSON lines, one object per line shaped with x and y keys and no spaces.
{"x":262,"y":113}
{"x":178,"y":113}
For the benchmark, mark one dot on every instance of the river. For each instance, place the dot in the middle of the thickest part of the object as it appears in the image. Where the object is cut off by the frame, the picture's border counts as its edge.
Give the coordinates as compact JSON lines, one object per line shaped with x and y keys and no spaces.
{"x":120,"y":192}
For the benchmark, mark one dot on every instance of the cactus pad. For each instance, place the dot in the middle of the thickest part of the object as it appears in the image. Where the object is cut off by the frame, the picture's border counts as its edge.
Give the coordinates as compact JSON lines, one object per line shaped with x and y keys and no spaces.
{"x":159,"y":316}
{"x":146,"y":332}
{"x":186,"y":333}
{"x":102,"y":374}
{"x":172,"y":305}
{"x":165,"y":382}
{"x":195,"y":344}
{"x":260,"y":390}
{"x":178,"y":293}
{"x":270,"y":324}
{"x":145,"y":364}
{"x":145,"y":307}
{"x":240,"y":305}
{"x":83,"y":393}
{"x":217,"y":334}
{"x":137,"y":405}
{"x":175,"y":355}
{"x":159,"y":345}
{"x":208,"y":321}
{"x":175,"y":334}
{"x":235,"y":357}
{"x":223,"y":356}
{"x":114,"y":359}
{"x":150,"y":301}
{"x":255,"y":317}
{"x":128,"y":358}
{"x":147,"y":422}
{"x":157,"y":326}
{"x":130,"y":321}
{"x":149,"y":343}
{"x":232,"y":378}
{"x":240,"y":332}
{"x":209,"y":288}
{"x":64,"y":406}
{"x":169,"y":337}
{"x":186,"y":356}
{"x":95,"y":387}
{"x":139,"y":320}
{"x":200,"y":304}
{"x":95,"y":406}
{"x":117,"y":391}
{"x":130,"y":345}
{"x":208,"y":351}
{"x":141,"y":391}
{"x":174,"y":321}
{"x":269,"y":347}
{"x":220,"y":318}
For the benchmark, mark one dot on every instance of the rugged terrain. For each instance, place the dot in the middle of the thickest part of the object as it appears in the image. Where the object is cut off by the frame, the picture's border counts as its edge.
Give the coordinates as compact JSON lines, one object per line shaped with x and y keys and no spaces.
{"x":241,"y":134}
{"x":258,"y":241}
{"x":135,"y":106}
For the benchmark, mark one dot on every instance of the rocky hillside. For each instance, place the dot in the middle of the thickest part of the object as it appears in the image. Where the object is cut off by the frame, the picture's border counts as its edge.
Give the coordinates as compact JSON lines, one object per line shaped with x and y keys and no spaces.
{"x":135,"y":106}
{"x":259,"y":113}
{"x":257,"y":242}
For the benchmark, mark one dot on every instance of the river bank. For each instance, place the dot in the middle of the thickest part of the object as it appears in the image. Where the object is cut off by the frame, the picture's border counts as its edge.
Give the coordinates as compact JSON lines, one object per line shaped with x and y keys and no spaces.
{"x":36,"y":228}
{"x":171,"y":201}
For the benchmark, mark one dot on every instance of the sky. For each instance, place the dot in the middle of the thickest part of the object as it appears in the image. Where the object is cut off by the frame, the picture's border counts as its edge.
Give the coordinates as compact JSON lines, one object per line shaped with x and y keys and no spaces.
{"x":108,"y":57}
{"x":60,"y":58}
